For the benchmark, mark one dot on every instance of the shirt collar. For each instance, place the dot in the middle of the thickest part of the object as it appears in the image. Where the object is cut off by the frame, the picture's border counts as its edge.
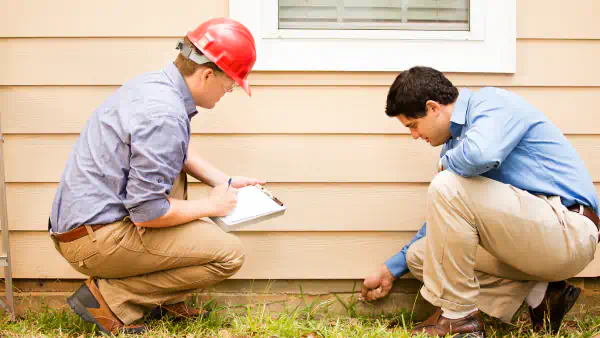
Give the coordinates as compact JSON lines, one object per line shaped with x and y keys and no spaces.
{"x":459,"y":114}
{"x":177,"y":79}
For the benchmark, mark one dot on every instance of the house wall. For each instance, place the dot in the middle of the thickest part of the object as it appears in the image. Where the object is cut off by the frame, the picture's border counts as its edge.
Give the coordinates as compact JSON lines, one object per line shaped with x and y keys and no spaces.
{"x":354,"y":180}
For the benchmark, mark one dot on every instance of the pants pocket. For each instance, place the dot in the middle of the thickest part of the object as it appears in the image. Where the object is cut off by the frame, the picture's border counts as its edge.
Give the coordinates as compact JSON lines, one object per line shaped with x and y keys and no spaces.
{"x":128,"y":237}
{"x":82,"y":253}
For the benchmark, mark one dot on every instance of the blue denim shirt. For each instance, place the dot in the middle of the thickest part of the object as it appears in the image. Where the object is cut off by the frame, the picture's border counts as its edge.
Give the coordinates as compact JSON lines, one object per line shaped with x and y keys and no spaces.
{"x":127,"y":157}
{"x":498,"y":135}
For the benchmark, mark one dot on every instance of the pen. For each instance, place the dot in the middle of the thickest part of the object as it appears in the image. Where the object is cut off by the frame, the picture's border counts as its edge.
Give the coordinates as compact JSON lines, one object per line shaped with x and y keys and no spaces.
{"x":229,"y":183}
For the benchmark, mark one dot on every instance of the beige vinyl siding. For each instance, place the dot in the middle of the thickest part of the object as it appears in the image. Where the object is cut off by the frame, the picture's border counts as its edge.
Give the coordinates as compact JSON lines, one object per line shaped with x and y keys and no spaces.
{"x":113,"y":61}
{"x":274,"y":109}
{"x":278,"y":158}
{"x":269,"y":255}
{"x":317,"y":207}
{"x":354,"y":180}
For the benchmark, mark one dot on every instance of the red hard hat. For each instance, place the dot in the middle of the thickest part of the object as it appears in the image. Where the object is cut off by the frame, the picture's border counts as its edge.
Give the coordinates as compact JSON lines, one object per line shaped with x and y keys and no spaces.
{"x":228,"y":44}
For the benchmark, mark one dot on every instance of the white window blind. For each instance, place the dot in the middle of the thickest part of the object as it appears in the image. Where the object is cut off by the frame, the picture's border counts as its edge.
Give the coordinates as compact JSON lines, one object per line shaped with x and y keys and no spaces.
{"x":442,"y":15}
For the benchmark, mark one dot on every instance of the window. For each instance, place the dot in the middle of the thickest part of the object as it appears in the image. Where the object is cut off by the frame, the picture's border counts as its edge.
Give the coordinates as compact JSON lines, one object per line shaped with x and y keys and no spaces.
{"x":424,"y":15}
{"x":381,"y":35}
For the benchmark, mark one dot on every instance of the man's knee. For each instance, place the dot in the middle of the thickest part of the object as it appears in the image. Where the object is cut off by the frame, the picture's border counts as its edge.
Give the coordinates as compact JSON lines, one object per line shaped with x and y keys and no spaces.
{"x":443,"y":184}
{"x":234,"y":259}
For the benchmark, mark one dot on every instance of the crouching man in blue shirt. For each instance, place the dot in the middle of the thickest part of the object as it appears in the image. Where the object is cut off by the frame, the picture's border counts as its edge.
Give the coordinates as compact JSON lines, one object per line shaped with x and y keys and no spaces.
{"x":511,"y":214}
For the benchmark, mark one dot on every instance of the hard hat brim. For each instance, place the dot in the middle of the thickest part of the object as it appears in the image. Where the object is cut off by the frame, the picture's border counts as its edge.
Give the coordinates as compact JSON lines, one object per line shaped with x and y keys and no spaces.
{"x":245,"y":86}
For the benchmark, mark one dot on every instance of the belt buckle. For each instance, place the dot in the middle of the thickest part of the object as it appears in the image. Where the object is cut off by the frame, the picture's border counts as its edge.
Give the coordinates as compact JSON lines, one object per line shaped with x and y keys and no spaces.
{"x":581,"y":209}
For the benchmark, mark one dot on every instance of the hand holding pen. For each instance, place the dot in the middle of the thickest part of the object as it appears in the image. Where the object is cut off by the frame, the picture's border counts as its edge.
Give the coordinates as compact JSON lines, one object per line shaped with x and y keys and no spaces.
{"x":223,"y":199}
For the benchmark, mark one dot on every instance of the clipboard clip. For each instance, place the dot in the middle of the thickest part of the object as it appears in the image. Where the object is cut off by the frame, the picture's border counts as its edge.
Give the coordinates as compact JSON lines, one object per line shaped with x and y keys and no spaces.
{"x":268,"y":193}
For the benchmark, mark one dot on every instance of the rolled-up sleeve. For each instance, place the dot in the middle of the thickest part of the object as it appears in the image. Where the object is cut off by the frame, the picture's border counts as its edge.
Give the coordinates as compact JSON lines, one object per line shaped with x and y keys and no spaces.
{"x":158,"y":149}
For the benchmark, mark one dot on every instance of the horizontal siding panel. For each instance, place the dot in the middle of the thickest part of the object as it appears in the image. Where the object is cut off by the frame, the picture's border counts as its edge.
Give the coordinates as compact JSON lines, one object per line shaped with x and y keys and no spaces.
{"x":278,"y":158}
{"x":72,"y":18}
{"x":112,"y":61}
{"x":540,"y":19}
{"x":311,"y":206}
{"x":557,"y":19}
{"x":322,"y":109}
{"x":270,"y":255}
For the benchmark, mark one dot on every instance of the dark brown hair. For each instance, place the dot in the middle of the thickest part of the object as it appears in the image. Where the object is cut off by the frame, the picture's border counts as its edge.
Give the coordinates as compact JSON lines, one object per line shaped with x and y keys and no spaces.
{"x":412,"y":89}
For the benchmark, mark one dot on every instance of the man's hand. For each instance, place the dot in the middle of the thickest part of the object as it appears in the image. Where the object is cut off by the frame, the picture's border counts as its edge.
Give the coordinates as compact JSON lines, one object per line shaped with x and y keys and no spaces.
{"x":223,"y":199}
{"x":378,"y":284}
{"x":241,"y":181}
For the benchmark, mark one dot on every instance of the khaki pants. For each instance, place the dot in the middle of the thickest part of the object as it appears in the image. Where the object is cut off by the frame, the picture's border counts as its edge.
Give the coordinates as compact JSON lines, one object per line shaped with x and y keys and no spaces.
{"x":524,"y":238}
{"x":140,"y":268}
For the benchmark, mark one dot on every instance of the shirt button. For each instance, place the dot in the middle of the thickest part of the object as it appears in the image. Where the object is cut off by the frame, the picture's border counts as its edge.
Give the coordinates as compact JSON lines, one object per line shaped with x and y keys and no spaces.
{"x":160,"y":180}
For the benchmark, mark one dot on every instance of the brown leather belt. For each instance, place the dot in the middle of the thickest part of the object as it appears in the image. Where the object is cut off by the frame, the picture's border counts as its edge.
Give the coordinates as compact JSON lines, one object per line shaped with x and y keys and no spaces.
{"x":76,"y":233}
{"x":587,"y":212}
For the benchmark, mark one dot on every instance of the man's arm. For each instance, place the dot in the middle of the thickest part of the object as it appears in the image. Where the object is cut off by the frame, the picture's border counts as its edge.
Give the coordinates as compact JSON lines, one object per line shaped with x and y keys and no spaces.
{"x":158,"y":147}
{"x":221,"y":201}
{"x":397,"y":263}
{"x":378,"y":284}
{"x":494,"y":132}
{"x":202,"y":170}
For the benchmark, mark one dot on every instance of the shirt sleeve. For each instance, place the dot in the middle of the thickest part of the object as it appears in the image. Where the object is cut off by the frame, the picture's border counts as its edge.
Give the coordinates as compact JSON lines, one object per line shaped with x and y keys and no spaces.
{"x":494,"y":131}
{"x":397,"y":264}
{"x":158,"y":149}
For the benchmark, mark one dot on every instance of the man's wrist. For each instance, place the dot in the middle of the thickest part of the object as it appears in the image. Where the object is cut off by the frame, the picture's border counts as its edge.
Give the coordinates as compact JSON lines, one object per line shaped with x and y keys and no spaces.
{"x":387,"y":274}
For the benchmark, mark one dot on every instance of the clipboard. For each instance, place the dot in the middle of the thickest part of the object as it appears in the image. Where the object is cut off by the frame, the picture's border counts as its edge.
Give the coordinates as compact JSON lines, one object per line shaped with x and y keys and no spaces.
{"x":255,"y":204}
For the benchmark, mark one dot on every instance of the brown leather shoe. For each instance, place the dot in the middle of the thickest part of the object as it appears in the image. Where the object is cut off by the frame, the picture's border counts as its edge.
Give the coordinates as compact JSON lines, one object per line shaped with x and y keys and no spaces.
{"x":558,"y":301}
{"x":438,"y":325}
{"x":89,"y":304}
{"x":178,"y":310}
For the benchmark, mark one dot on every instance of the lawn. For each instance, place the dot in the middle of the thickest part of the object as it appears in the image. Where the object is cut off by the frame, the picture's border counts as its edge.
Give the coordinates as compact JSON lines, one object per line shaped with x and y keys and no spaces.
{"x":308,"y":320}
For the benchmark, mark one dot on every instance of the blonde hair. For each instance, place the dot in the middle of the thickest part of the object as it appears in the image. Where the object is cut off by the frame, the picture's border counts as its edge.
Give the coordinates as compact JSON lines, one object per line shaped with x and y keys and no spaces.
{"x":188,"y":67}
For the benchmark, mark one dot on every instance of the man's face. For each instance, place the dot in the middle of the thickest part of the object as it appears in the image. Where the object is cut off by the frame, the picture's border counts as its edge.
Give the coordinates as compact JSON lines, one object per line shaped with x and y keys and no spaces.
{"x":213,"y":87}
{"x":433,"y":128}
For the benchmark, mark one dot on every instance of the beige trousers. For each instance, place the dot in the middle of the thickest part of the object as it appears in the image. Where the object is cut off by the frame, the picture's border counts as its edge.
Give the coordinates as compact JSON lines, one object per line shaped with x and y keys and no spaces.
{"x":524,"y":238}
{"x":140,"y":268}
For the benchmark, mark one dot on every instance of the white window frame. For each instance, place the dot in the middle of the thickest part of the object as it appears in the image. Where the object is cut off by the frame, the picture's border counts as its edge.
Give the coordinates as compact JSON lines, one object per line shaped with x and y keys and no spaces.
{"x":489,"y":46}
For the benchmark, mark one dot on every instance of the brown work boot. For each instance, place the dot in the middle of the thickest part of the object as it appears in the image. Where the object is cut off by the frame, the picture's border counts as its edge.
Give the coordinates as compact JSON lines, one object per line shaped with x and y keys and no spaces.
{"x":558,"y":301}
{"x":438,"y":325}
{"x":89,"y":304}
{"x":178,"y":310}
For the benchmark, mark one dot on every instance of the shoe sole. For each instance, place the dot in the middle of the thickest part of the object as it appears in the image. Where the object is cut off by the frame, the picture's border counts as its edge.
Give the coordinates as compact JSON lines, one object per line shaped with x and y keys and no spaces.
{"x":82,"y":312}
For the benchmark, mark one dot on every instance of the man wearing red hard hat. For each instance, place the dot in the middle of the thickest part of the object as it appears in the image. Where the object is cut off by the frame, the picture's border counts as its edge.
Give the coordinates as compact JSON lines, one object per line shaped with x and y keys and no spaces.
{"x":121,"y":214}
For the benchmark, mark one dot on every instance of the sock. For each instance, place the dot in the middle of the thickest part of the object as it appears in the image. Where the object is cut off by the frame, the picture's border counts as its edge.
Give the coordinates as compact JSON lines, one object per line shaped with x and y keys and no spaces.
{"x":535,"y":297}
{"x":456,"y":314}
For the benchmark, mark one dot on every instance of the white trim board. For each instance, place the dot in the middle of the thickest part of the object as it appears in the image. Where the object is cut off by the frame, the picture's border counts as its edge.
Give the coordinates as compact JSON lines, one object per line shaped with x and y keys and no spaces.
{"x":489,"y":47}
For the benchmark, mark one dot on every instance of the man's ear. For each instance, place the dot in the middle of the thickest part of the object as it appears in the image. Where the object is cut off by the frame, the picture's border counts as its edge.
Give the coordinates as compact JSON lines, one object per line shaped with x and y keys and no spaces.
{"x":201,"y":75}
{"x":434,"y":106}
{"x":206,"y":73}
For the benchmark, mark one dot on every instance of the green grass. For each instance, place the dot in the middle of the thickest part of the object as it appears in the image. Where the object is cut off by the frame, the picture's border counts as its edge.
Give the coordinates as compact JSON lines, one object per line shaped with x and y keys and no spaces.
{"x":308,"y":320}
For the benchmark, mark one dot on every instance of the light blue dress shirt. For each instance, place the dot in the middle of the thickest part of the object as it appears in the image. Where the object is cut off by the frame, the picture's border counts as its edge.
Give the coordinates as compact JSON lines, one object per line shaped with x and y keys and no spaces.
{"x":498,"y":135}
